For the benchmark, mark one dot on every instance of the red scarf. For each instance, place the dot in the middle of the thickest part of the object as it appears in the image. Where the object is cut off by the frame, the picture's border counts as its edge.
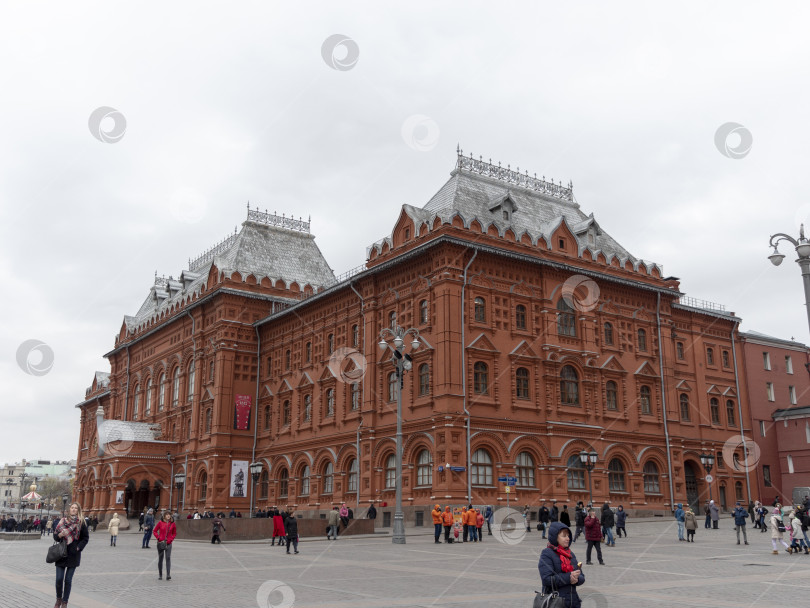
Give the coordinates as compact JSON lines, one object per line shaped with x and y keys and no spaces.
{"x":565,"y":557}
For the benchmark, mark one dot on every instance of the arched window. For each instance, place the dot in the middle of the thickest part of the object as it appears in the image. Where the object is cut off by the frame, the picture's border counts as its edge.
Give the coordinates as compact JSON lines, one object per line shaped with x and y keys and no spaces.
{"x":424,"y":379}
{"x":391,"y":472}
{"x":423,"y":312}
{"x":738,"y":491}
{"x":651,"y":485}
{"x":136,"y":408}
{"x":684,"y":401}
{"x":330,"y":402}
{"x":480,"y":309}
{"x":714,"y":407}
{"x":646,"y":400}
{"x":307,"y":408}
{"x":208,"y":420}
{"x":524,"y":465}
{"x":328,"y":478}
{"x":176,"y":387}
{"x":351,"y":485}
{"x":566,"y":321}
{"x":480,"y":378}
{"x":203,"y":485}
{"x":308,"y":351}
{"x":161,"y":392}
{"x":266,"y":417}
{"x":188,"y":429}
{"x":304,"y":481}
{"x":192,"y":374}
{"x":679,"y":350}
{"x":520,"y":316}
{"x":285,"y":413}
{"x":611,"y":395}
{"x":730,"y":412}
{"x":392,"y":319}
{"x":642,"y":340}
{"x":575,"y":473}
{"x":392,"y":386}
{"x":355,"y":336}
{"x":330,"y":343}
{"x":264,"y":484}
{"x":287,"y":359}
{"x":569,"y":386}
{"x":522,"y":383}
{"x":616,"y":476}
{"x":283,"y":483}
{"x":424,"y":469}
{"x":609,"y":333}
{"x":481,"y":468}
{"x":356,"y":396}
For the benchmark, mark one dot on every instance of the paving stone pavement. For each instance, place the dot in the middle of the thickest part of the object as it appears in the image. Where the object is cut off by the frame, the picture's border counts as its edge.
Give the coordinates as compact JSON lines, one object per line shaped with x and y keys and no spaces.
{"x":650,"y":568}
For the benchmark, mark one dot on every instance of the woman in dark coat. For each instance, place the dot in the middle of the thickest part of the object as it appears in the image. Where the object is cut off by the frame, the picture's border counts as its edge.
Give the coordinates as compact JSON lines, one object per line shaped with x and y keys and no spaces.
{"x":291,"y":526}
{"x":559,"y":569}
{"x":73,"y":531}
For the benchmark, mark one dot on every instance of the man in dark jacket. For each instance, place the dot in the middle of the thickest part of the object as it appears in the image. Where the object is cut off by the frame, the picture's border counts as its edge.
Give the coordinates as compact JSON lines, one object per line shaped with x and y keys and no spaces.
{"x":291,"y":526}
{"x":558,"y":566}
{"x":543,"y":516}
{"x":593,"y":534}
{"x":608,"y":520}
{"x":565,"y":518}
{"x":554,"y":514}
{"x":579,"y":520}
{"x":740,"y":519}
{"x":372,"y":512}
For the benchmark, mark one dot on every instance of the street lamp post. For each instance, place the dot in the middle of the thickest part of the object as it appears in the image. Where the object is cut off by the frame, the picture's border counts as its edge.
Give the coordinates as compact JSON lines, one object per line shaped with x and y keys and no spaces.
{"x":707,"y":460}
{"x":803,"y":251}
{"x":23,"y":477}
{"x":588,"y":459}
{"x":179,"y":482}
{"x":255,"y":471}
{"x":402,"y":363}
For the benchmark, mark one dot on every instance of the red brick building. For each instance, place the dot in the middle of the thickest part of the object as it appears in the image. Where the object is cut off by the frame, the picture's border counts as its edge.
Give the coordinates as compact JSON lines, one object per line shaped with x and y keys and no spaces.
{"x":539,"y":337}
{"x":779,"y":392}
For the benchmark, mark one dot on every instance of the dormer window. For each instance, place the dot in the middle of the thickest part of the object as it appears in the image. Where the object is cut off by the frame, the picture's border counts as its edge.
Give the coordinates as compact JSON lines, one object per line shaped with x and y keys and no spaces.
{"x":561,"y":243}
{"x":407,"y":234}
{"x":505,"y":214}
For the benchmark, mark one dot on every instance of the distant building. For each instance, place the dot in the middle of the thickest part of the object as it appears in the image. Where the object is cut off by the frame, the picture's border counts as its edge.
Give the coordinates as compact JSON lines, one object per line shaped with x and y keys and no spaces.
{"x":13,"y":485}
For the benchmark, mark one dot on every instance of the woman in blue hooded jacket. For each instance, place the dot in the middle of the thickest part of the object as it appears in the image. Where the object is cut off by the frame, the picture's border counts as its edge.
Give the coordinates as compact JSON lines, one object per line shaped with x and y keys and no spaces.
{"x":559,"y":569}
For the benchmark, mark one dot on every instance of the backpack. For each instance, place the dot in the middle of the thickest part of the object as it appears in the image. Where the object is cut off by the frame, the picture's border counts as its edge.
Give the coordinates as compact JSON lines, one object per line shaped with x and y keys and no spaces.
{"x":216,"y":528}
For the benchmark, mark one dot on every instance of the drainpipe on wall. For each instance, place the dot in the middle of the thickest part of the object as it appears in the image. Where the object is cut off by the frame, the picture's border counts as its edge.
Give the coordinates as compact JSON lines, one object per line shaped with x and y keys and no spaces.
{"x":664,"y":400}
{"x":464,"y":374}
{"x":256,"y":412}
{"x":739,"y":409}
{"x":126,"y":395}
{"x":362,"y":395}
{"x":185,"y":470}
{"x":171,"y":479}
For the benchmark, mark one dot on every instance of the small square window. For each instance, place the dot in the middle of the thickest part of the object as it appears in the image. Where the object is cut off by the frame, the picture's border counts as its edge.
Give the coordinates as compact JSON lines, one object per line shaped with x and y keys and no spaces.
{"x":561,"y":243}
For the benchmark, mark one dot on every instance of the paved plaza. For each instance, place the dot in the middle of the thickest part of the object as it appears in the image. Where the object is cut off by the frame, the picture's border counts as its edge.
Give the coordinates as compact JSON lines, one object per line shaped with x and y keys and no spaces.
{"x":650,"y":568}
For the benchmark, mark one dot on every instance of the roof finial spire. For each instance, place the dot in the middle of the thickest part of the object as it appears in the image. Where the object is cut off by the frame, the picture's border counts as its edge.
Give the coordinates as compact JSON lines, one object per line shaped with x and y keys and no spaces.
{"x":458,"y":149}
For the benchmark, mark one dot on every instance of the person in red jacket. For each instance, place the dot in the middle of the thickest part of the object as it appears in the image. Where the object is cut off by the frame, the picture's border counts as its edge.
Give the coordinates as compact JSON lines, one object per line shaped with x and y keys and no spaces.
{"x":165,"y":533}
{"x":479,"y":524}
{"x":593,"y":535}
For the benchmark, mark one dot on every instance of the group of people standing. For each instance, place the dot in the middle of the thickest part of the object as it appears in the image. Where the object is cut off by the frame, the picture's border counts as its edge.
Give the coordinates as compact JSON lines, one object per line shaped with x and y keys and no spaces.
{"x":469,"y":528}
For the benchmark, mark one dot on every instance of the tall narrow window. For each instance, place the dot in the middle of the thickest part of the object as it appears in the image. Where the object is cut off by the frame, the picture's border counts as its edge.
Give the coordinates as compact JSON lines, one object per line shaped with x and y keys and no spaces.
{"x":616,"y":481}
{"x":790,"y":464}
{"x":203,"y":485}
{"x":266,"y":417}
{"x":788,"y":364}
{"x":684,"y":400}
{"x":304,"y":481}
{"x":480,"y":310}
{"x":726,"y":359}
{"x":392,"y":319}
{"x":766,"y":360}
{"x":330,"y":343}
{"x":609,"y":334}
{"x":285,"y":413}
{"x":351,"y":484}
{"x":192,"y":375}
{"x":330,"y":402}
{"x":287,"y":359}
{"x":714,"y":407}
{"x":569,"y":386}
{"x":148,"y":409}
{"x":392,"y":386}
{"x":283,"y":483}
{"x":769,"y":390}
{"x":211,"y":371}
{"x":480,"y":378}
{"x":481,"y":468}
{"x":738,"y":491}
{"x":308,"y":352}
{"x":522,"y":383}
{"x":611,"y":395}
{"x":208,"y":420}
{"x":356,"y":396}
{"x":766,"y":475}
{"x":575,"y":473}
{"x":762,"y":429}
{"x":328,"y":478}
{"x":792,"y":394}
{"x":176,"y":387}
{"x":423,"y":312}
{"x":355,"y":336}
{"x":520,"y":316}
{"x":730,"y":412}
{"x":424,"y":379}
{"x":307,"y":408}
{"x":161,"y":392}
{"x":679,"y":350}
{"x":391,"y":472}
{"x":524,"y":466}
{"x":646,"y":400}
{"x":566,"y":321}
{"x":136,"y":408}
{"x":651,"y":480}
{"x":264,"y":484}
{"x":424,"y":469}
{"x":269,"y":366}
{"x":709,"y":356}
{"x":642,"y":340}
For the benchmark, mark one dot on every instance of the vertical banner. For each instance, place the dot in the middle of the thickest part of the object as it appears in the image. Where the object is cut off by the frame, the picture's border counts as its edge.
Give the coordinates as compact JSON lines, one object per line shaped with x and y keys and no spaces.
{"x":241,"y":413}
{"x":239,"y":469}
{"x":119,"y":497}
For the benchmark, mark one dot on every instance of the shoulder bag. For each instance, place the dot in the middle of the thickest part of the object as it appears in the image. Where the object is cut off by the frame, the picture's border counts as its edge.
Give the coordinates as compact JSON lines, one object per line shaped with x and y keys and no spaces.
{"x":161,"y":546}
{"x":56,"y":552}
{"x":548,"y":600}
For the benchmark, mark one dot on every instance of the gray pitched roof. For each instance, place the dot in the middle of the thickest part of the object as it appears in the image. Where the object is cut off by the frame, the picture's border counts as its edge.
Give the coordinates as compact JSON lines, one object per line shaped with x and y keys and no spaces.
{"x":123,"y":430}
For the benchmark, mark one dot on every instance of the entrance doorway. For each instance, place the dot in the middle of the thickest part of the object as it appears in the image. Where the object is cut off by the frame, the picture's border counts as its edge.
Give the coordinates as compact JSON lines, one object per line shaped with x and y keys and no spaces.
{"x":692,"y":496}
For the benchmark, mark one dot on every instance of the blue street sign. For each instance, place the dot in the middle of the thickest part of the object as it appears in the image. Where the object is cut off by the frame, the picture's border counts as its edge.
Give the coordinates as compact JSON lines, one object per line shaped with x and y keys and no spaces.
{"x":503,"y":479}
{"x":441,"y":468}
{"x":458,"y":469}
{"x":511,"y":482}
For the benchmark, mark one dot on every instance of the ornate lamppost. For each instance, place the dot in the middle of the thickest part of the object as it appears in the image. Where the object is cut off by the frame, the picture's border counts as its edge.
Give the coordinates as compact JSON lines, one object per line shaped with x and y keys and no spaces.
{"x":707,"y":460}
{"x":588,"y":460}
{"x":402,"y":363}
{"x":255,"y":471}
{"x":179,"y":482}
{"x":65,"y":498}
{"x":803,"y":251}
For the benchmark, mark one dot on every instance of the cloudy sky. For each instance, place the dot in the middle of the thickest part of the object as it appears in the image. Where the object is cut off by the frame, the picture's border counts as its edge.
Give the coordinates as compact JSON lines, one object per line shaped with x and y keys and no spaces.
{"x":212,"y":106}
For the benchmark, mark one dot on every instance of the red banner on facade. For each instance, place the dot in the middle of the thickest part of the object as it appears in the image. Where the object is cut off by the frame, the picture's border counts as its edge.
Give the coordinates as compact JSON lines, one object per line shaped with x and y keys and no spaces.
{"x":241,"y":415}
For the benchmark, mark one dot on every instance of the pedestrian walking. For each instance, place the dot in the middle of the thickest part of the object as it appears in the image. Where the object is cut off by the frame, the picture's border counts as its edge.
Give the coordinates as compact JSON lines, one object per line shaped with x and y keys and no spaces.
{"x":278,"y":528}
{"x":796,"y":538}
{"x":372,"y":512}
{"x":558,"y":566}
{"x":217,"y":526}
{"x":690,"y":523}
{"x":608,"y":520}
{"x":707,"y":511}
{"x":554,"y":513}
{"x":479,"y":525}
{"x":165,"y":532}
{"x":593,"y":535}
{"x":544,"y":517}
{"x":447,"y":523}
{"x":465,"y":522}
{"x":762,"y":513}
{"x":48,"y":526}
{"x":565,"y":518}
{"x":527,"y":518}
{"x":113,"y":526}
{"x":621,"y":520}
{"x":488,"y":519}
{"x":291,"y":526}
{"x":436,"y":514}
{"x":148,"y":526}
{"x":579,"y":520}
{"x":333,"y":519}
{"x":680,"y":517}
{"x":73,"y":530}
{"x":740,"y":519}
{"x":141,"y":518}
{"x":715,"y":512}
{"x":777,"y":529}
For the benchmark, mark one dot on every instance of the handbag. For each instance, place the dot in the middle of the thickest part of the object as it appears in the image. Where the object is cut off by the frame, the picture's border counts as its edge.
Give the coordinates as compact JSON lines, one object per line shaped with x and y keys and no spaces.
{"x":780,"y":526}
{"x":161,"y":546}
{"x":550,"y":600}
{"x":56,"y":552}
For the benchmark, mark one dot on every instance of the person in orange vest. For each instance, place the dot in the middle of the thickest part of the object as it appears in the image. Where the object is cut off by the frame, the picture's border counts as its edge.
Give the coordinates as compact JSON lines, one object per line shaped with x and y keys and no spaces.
{"x":479,"y":524}
{"x":437,"y":523}
{"x":471,"y":524}
{"x":447,"y":521}
{"x":465,"y":523}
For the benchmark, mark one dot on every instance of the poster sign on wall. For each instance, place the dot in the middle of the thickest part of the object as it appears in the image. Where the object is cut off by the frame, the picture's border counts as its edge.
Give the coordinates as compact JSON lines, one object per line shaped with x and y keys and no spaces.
{"x":241,"y":413}
{"x":239,"y":470}
{"x":119,"y":497}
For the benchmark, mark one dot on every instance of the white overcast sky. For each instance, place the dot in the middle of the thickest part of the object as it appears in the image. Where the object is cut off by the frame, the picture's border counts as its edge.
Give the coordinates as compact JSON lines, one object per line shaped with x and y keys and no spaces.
{"x":231,"y":102}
